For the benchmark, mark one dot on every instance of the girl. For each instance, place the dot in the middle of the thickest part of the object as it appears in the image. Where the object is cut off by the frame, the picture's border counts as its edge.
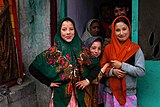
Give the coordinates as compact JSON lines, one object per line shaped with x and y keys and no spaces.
{"x":93,"y":92}
{"x":64,"y":64}
{"x":126,"y":64}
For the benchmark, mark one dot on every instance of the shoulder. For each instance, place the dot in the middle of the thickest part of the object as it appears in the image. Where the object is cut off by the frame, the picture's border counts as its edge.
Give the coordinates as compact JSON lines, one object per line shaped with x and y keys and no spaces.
{"x":107,"y":47}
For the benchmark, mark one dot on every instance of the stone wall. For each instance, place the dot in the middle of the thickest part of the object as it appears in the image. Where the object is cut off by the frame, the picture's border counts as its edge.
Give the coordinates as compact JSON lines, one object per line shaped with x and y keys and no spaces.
{"x":34,"y":24}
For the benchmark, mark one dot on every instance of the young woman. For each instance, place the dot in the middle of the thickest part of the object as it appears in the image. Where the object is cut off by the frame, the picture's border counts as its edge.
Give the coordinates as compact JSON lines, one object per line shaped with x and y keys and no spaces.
{"x":126,"y":65}
{"x":93,"y":92}
{"x":92,"y":29}
{"x":64,"y":64}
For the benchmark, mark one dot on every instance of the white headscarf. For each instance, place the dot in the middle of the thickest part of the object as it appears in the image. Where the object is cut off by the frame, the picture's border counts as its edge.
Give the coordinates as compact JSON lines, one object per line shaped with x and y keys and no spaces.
{"x":87,"y":33}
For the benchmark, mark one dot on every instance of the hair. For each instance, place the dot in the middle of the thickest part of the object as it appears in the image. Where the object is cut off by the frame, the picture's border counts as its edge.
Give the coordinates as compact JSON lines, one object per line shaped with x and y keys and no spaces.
{"x":120,"y":3}
{"x":106,"y":4}
{"x":122,"y":19}
{"x":68,"y":19}
{"x":95,"y":21}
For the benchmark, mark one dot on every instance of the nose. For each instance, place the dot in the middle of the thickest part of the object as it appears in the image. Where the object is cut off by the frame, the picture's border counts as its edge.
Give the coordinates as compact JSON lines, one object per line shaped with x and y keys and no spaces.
{"x":121,"y":32}
{"x":68,"y":31}
{"x":97,"y":29}
{"x":119,"y":13}
{"x":96,"y":50}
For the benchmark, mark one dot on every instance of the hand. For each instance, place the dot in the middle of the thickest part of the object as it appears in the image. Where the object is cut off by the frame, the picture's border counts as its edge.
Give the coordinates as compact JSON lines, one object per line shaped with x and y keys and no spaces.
{"x":116,"y":64}
{"x":119,"y":73}
{"x":82,"y":84}
{"x":55,"y":84}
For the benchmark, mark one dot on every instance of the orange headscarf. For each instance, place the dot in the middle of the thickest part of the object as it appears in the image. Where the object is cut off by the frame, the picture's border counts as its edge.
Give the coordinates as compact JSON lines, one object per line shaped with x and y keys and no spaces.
{"x":116,"y":51}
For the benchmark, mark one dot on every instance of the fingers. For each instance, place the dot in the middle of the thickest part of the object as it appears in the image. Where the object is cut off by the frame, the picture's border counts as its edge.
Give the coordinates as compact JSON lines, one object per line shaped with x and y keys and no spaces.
{"x":112,"y":61}
{"x":119,"y":73}
{"x":81,"y":84}
{"x":55,"y":84}
{"x":116,"y":64}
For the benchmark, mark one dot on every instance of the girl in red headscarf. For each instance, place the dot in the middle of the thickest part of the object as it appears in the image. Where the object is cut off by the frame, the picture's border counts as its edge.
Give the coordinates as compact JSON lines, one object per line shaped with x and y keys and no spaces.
{"x":126,"y":64}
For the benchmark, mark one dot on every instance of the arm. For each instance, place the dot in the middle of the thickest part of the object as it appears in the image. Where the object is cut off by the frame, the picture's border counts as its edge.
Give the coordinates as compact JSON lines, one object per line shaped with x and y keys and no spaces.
{"x":38,"y":75}
{"x":92,"y":75}
{"x":102,"y":72}
{"x":139,"y":67}
{"x":121,"y":68}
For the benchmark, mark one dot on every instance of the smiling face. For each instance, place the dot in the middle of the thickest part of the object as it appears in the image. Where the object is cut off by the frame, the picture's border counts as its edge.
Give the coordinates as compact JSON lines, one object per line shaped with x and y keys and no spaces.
{"x":122,"y":32}
{"x":96,"y":48}
{"x":67,"y":31}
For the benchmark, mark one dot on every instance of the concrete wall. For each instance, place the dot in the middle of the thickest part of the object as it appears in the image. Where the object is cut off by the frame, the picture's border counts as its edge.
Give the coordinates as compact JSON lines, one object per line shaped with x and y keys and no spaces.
{"x":34,"y":25}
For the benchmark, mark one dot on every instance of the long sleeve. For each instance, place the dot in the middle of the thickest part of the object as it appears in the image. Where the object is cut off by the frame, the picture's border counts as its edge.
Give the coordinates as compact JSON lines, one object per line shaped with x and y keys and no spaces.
{"x":93,"y":73}
{"x":38,"y":75}
{"x":138,"y":69}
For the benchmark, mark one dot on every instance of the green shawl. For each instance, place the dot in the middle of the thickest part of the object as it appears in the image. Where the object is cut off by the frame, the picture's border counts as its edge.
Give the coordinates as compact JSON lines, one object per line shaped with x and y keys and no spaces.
{"x":66,"y":62}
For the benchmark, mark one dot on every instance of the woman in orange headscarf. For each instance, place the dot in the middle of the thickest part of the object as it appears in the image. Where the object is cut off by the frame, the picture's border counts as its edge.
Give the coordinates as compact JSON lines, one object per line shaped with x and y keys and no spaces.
{"x":126,"y":64}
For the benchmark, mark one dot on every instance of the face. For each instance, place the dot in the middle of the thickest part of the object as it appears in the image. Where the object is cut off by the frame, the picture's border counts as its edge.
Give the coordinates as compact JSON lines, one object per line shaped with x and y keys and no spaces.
{"x":122,"y":32}
{"x":105,"y":11}
{"x":95,"y":28}
{"x":95,"y":48}
{"x":67,"y":31}
{"x":119,"y":11}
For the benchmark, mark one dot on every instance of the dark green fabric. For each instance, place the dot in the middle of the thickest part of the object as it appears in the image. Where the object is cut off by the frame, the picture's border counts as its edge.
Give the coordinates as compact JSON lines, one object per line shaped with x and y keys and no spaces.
{"x":58,"y":62}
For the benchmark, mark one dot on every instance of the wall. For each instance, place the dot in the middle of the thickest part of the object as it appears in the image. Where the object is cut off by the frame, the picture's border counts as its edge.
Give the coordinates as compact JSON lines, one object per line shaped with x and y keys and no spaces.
{"x":34,"y":24}
{"x":149,"y":20}
{"x":148,"y":89}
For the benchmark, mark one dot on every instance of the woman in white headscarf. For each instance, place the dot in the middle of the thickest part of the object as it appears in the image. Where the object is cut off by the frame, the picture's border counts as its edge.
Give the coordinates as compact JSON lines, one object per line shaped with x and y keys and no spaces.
{"x":92,"y":29}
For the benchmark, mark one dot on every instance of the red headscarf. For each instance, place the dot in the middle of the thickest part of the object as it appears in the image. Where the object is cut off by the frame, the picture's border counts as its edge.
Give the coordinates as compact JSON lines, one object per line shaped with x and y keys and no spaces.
{"x":116,"y":51}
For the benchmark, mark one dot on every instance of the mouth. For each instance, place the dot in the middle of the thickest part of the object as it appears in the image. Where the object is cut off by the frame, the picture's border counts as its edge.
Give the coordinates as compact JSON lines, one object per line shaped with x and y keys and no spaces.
{"x":68,"y":37}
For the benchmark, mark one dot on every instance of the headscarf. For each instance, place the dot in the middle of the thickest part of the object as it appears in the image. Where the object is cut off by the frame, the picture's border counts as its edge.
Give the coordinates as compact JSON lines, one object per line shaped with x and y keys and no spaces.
{"x":67,"y":63}
{"x":116,"y":51}
{"x":90,"y":41}
{"x":87,"y":31}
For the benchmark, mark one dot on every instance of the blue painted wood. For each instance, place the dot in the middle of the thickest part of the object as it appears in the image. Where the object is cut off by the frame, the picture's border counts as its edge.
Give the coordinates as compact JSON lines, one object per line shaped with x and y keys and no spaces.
{"x":148,"y":88}
{"x":135,"y":21}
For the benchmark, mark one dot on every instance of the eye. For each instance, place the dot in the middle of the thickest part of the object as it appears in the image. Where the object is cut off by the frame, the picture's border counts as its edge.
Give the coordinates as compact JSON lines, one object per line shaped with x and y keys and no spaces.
{"x":99,"y":48}
{"x":72,"y":28}
{"x":124,"y":28}
{"x":117,"y":30}
{"x":121,"y":9}
{"x":115,"y":11}
{"x":64,"y":29}
{"x":93,"y":47}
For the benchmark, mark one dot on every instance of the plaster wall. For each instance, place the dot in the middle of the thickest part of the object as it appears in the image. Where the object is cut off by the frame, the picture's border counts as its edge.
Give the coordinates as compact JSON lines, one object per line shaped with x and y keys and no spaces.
{"x":34,"y":26}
